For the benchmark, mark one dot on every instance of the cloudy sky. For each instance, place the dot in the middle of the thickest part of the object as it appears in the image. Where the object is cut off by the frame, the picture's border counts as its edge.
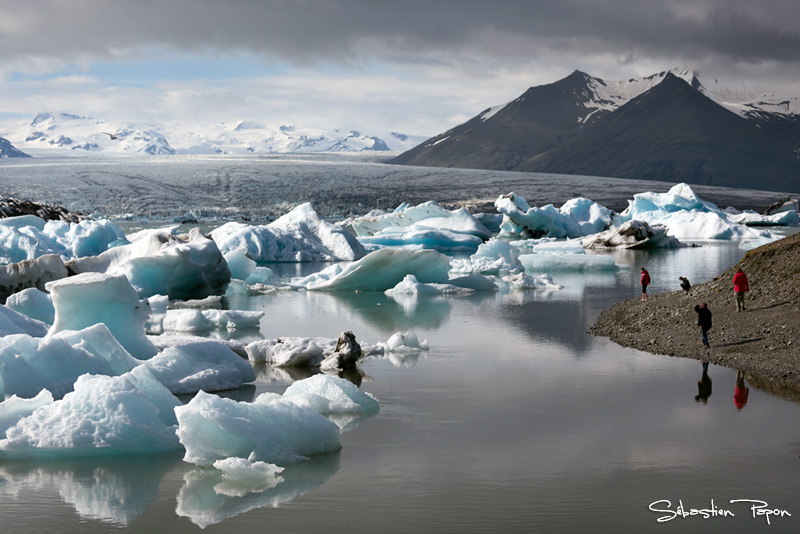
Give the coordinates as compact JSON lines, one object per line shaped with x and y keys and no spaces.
{"x":413,"y":66}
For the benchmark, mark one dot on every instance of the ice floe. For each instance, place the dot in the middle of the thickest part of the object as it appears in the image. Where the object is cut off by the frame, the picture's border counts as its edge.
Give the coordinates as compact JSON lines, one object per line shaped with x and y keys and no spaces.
{"x":299,"y":236}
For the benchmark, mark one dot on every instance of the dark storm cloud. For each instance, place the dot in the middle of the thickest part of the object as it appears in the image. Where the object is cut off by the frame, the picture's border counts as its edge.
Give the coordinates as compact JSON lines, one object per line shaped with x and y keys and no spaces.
{"x":409,"y":30}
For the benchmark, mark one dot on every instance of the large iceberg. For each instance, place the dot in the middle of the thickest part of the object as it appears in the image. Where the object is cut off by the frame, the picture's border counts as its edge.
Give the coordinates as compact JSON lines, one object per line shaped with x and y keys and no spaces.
{"x":157,"y":262}
{"x":576,"y":217}
{"x":632,"y":234}
{"x":299,"y":236}
{"x":686,"y":215}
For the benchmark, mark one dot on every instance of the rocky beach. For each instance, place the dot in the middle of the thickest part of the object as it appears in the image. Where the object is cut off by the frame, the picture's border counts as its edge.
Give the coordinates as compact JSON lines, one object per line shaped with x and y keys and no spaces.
{"x":763,"y":341}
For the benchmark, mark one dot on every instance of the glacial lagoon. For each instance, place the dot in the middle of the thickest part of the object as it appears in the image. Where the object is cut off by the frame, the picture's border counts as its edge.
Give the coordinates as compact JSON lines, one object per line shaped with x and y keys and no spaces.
{"x":514,"y":420}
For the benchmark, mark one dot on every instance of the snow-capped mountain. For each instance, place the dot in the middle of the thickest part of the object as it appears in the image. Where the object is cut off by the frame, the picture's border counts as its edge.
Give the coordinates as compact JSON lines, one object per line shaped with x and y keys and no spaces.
{"x":63,"y":134}
{"x":671,"y":126}
{"x":7,"y":150}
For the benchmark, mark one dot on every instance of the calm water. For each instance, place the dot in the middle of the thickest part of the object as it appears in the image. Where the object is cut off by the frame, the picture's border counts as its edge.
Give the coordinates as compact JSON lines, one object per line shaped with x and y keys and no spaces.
{"x":516,"y":420}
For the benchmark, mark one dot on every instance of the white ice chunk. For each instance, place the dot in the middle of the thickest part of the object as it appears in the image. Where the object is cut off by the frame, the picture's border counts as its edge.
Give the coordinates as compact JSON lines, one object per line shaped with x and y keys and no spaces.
{"x":411,"y":286}
{"x":189,"y":320}
{"x":568,"y":262}
{"x":427,"y":215}
{"x":422,"y":237}
{"x":300,"y":235}
{"x":84,"y":238}
{"x":379,"y":271}
{"x":13,"y":322}
{"x":259,"y":275}
{"x":14,"y":408}
{"x":404,"y":342}
{"x":28,"y":364}
{"x":576,"y":217}
{"x":157,"y":262}
{"x":91,"y":298}
{"x":126,"y":414}
{"x":186,"y":365}
{"x":240,"y":263}
{"x":631,"y":234}
{"x":291,"y":351}
{"x":33,"y":303}
{"x":327,"y":394}
{"x":213,"y":428}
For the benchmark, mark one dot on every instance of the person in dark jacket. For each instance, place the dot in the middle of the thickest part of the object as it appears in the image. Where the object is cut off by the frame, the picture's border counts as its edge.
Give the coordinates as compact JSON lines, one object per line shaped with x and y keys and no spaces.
{"x":703,"y":321}
{"x":685,"y":285}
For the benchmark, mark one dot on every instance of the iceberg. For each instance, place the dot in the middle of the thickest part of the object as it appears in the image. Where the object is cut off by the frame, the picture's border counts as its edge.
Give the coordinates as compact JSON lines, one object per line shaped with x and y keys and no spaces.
{"x":299,"y":236}
{"x":13,"y":322}
{"x":428,"y":216}
{"x":631,"y":234}
{"x":308,"y":352}
{"x":213,"y":428}
{"x":751,"y":218}
{"x":186,"y":365}
{"x":492,"y":258}
{"x":326,"y":394}
{"x":568,"y":262}
{"x":132,"y":413}
{"x":23,"y":238}
{"x":686,"y":215}
{"x":87,"y":299}
{"x":411,"y":286}
{"x":84,"y":238}
{"x":29,"y":364}
{"x":379,"y":270}
{"x":240,"y":263}
{"x":190,"y":320}
{"x":576,"y":217}
{"x":31,"y":273}
{"x":421,"y":237}
{"x":14,"y":408}
{"x":404,"y":342}
{"x":156,"y":262}
{"x":34,"y":304}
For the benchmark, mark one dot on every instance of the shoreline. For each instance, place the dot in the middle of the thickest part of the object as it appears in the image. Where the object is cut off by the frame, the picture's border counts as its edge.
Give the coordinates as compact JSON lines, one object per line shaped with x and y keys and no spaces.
{"x":763,"y":341}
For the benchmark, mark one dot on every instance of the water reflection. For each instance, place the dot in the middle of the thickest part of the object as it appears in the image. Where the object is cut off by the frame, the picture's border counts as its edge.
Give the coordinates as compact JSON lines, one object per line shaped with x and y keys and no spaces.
{"x":740,"y":391}
{"x":114,"y":490}
{"x":206,"y":500}
{"x":703,"y":386}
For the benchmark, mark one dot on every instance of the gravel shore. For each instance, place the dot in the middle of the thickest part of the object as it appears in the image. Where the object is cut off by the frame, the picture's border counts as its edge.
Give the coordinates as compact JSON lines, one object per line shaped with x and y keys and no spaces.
{"x":763,"y":341}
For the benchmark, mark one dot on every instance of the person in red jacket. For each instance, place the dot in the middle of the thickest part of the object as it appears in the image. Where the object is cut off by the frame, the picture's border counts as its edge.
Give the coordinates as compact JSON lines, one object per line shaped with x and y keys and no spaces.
{"x":740,"y":286}
{"x":645,"y":282}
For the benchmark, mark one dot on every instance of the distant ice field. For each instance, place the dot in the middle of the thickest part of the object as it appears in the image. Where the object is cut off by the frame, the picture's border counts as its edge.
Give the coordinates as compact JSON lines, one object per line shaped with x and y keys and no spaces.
{"x":261,"y":187}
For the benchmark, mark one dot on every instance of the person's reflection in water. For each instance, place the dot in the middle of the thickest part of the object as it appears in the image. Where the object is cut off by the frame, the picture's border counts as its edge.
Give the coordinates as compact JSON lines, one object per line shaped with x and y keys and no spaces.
{"x":741,"y":391}
{"x":703,"y":386}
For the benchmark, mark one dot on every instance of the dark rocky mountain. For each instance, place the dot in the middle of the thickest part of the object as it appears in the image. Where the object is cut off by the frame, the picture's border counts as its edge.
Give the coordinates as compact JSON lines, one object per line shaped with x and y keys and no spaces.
{"x":7,"y":150}
{"x":671,"y":132}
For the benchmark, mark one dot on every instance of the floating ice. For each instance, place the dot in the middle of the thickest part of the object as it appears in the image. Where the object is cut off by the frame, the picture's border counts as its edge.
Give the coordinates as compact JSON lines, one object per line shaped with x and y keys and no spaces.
{"x":411,"y":286}
{"x":14,"y":408}
{"x":404,"y":342}
{"x":428,"y":216}
{"x":631,"y":234}
{"x":421,"y":237}
{"x":84,"y":238}
{"x":570,"y":246}
{"x":327,"y":394}
{"x":493,"y":257}
{"x":90,"y":298}
{"x":188,"y":364}
{"x":567,"y":262}
{"x":132,"y":413}
{"x":379,"y":271}
{"x":213,"y":428}
{"x":299,"y":236}
{"x":751,"y":218}
{"x":291,"y":351}
{"x":13,"y":322}
{"x":23,"y":238}
{"x":156,"y":262}
{"x":29,"y":364}
{"x":686,"y":215}
{"x":31,"y":273}
{"x":189,"y":320}
{"x":259,"y":275}
{"x":521,"y":281}
{"x":33,"y":303}
{"x":240,"y":469}
{"x":240,"y":263}
{"x":576,"y":217}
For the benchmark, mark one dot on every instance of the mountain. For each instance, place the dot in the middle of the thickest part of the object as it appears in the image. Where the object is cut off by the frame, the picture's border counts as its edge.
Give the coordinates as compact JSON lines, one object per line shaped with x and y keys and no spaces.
{"x":7,"y":150}
{"x":63,"y":134}
{"x":669,"y":127}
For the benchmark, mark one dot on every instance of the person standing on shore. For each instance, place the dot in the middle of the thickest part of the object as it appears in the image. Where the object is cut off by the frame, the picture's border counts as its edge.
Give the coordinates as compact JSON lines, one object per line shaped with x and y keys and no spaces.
{"x":740,"y":287}
{"x":645,"y":282}
{"x":703,"y":321}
